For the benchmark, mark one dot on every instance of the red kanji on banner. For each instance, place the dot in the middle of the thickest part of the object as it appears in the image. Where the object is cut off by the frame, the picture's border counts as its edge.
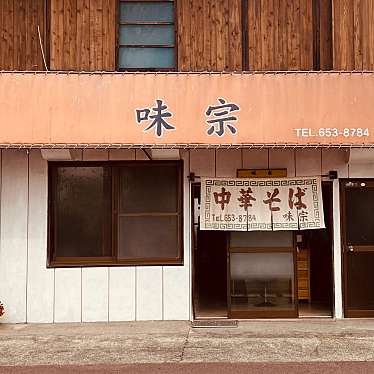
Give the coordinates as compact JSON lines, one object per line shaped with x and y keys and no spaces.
{"x":246,"y":198}
{"x":222,"y":198}
{"x":273,"y":199}
{"x":300,"y":193}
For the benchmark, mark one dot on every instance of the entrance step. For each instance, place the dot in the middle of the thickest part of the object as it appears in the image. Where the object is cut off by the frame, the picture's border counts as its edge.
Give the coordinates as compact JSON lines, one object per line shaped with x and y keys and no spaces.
{"x":212,"y":323}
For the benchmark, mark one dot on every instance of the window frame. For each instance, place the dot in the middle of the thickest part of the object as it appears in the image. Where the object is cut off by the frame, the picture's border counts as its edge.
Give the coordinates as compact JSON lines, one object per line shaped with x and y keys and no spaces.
{"x":54,"y":261}
{"x":175,"y":46}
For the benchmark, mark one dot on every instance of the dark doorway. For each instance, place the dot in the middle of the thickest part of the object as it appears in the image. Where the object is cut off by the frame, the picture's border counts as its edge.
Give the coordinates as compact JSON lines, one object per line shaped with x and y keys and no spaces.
{"x":358,"y":247}
{"x":210,"y":268}
{"x":310,"y":265}
{"x":315,"y":263}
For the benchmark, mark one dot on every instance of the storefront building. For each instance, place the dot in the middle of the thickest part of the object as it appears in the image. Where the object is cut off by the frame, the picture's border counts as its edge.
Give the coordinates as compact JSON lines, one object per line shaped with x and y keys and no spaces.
{"x":192,"y":187}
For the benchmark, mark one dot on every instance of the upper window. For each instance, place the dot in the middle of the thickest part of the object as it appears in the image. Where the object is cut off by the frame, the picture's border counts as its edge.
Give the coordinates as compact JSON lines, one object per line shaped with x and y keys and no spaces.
{"x":115,"y":213}
{"x":146,"y":35}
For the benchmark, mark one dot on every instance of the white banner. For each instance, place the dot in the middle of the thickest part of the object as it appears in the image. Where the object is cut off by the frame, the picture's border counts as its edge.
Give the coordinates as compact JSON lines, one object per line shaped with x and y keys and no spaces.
{"x":242,"y":204}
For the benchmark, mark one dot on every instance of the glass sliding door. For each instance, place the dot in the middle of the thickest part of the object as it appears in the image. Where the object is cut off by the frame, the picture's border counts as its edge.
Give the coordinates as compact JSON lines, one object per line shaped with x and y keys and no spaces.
{"x":262,"y":275}
{"x":358,"y":247}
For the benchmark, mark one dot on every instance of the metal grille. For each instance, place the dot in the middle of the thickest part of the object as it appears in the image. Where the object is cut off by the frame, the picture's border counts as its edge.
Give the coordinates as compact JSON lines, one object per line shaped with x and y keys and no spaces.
{"x":177,"y":146}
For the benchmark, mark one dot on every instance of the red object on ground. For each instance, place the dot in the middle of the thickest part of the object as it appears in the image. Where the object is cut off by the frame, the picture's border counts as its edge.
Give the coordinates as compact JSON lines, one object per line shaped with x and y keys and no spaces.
{"x":198,"y":368}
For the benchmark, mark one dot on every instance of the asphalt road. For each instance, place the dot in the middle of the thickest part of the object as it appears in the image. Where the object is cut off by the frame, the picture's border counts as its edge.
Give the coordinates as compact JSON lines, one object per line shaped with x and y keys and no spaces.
{"x":206,"y":368}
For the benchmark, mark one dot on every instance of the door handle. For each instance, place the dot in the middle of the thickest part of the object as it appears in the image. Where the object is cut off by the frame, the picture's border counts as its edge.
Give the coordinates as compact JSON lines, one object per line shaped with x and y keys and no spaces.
{"x":350,"y":248}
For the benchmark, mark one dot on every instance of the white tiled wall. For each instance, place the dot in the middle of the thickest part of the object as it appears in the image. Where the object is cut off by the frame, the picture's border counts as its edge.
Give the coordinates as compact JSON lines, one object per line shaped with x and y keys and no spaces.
{"x":14,"y":229}
{"x":40,"y":280}
{"x":95,"y":294}
{"x":122,"y":292}
{"x":67,"y":295}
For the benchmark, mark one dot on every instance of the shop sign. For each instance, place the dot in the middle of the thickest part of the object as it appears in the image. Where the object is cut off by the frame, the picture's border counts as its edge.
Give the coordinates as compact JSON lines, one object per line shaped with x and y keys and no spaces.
{"x":188,"y":110}
{"x":242,"y":204}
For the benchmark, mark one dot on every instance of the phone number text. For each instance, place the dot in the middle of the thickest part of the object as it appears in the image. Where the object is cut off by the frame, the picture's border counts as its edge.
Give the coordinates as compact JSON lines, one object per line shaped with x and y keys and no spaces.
{"x":332,"y":132}
{"x":233,"y":218}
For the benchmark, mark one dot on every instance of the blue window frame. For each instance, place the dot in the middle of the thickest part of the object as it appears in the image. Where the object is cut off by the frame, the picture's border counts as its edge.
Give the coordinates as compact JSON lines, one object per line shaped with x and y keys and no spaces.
{"x":146,"y":37}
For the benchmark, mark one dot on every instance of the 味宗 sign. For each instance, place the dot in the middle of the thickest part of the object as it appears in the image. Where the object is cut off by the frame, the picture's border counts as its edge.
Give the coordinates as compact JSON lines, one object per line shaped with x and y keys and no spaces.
{"x":186,"y":110}
{"x":261,"y":204}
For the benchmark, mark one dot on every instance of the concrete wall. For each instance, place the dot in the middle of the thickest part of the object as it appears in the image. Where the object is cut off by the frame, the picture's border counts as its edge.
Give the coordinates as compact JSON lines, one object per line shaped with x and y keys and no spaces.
{"x":33,"y":293}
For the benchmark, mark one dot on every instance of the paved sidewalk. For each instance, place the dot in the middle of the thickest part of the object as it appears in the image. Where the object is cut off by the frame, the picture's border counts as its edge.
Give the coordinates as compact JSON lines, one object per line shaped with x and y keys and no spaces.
{"x":176,"y":342}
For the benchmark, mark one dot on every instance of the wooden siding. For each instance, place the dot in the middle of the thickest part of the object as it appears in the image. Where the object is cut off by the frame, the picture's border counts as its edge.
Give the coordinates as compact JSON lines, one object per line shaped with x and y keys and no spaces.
{"x":280,"y":35}
{"x":354,"y":34}
{"x":19,"y":40}
{"x":322,"y":35}
{"x":209,"y":35}
{"x":325,"y":30}
{"x":83,"y":35}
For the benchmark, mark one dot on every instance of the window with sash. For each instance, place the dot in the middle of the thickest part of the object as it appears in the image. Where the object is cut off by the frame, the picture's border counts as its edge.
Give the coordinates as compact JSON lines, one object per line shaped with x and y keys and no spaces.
{"x":115,"y":213}
{"x":146,"y":37}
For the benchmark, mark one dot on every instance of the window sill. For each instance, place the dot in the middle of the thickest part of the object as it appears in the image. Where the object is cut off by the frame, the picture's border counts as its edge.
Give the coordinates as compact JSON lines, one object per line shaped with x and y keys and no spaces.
{"x":93,"y":262}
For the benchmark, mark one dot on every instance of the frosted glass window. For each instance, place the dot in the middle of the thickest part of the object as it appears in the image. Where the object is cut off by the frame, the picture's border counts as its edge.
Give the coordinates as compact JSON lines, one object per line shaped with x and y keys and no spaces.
{"x":261,"y":239}
{"x":113,"y":213}
{"x":143,"y":58}
{"x":146,"y":237}
{"x":147,"y":35}
{"x":149,"y":211}
{"x":149,"y":190}
{"x":83,"y":212}
{"x":262,"y":281}
{"x":142,"y":11}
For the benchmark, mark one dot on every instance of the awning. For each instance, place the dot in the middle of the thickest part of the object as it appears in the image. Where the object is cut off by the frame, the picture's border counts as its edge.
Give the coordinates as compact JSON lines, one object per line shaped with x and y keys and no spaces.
{"x":186,"y":110}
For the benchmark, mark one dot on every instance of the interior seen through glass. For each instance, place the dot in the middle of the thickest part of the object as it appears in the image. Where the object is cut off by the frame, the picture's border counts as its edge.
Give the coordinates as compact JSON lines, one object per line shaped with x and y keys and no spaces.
{"x":262,"y":280}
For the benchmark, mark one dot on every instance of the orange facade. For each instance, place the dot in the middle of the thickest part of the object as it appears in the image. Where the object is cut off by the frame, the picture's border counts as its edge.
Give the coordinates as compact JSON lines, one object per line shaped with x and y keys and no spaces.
{"x":278,"y":109}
